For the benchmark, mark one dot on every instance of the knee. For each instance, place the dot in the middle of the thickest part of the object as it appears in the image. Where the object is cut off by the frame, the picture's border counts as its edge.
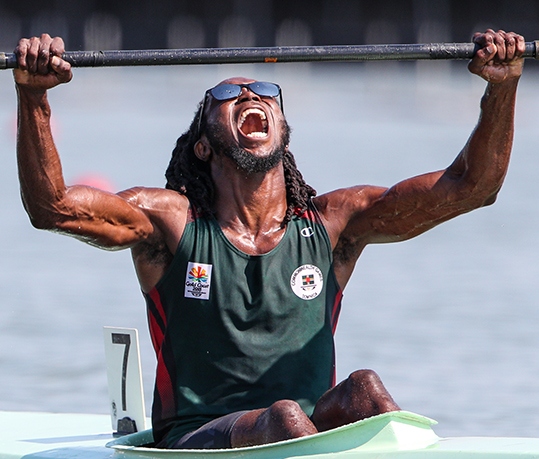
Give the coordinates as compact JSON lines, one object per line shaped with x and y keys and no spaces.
{"x":281,"y":421}
{"x":360,"y":396}
{"x":284,"y":410}
{"x":287,"y":417}
{"x":366,"y":387}
{"x":363,"y":379}
{"x":358,"y":389}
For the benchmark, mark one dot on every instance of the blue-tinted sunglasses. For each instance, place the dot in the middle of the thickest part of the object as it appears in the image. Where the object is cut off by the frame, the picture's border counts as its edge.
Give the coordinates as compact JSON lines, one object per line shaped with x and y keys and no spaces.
{"x":233,"y":91}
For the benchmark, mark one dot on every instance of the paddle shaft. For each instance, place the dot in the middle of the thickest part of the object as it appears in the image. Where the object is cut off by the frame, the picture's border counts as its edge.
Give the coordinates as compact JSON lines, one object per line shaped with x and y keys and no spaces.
{"x":194,"y":56}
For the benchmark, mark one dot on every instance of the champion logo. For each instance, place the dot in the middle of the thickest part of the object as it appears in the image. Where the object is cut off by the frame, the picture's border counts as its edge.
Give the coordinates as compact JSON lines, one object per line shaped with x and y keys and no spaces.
{"x":307,"y":232}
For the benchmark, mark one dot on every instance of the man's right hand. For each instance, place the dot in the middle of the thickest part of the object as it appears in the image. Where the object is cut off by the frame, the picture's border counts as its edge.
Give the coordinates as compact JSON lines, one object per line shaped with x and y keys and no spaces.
{"x":40,"y":67}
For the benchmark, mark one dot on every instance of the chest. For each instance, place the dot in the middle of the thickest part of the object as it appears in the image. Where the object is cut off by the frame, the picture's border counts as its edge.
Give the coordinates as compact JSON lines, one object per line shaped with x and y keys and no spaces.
{"x":252,"y":243}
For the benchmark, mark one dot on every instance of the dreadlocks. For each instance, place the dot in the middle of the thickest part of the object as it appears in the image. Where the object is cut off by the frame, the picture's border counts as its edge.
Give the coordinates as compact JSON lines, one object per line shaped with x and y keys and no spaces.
{"x":191,"y":177}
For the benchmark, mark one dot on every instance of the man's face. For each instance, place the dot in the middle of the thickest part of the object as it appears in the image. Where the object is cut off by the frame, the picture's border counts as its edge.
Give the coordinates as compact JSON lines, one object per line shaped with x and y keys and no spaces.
{"x":249,"y":129}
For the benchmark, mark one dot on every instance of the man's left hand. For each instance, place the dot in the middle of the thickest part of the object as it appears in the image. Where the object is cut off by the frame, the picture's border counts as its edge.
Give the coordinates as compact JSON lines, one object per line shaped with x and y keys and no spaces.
{"x":499,"y":57}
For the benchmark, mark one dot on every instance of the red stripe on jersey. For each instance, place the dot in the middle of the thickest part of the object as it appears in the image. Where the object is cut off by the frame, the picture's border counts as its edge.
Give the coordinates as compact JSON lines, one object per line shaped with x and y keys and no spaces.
{"x":156,"y":331}
{"x":307,"y":214}
{"x":163,"y":380}
{"x":336,"y":310}
{"x":163,"y":385}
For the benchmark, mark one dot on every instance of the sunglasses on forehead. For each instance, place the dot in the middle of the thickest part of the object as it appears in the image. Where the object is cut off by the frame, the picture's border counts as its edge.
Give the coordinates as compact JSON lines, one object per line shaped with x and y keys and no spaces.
{"x":232,"y":91}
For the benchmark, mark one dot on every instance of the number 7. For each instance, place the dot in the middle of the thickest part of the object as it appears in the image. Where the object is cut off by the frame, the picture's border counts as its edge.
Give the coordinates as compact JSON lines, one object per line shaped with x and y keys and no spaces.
{"x":125,"y":339}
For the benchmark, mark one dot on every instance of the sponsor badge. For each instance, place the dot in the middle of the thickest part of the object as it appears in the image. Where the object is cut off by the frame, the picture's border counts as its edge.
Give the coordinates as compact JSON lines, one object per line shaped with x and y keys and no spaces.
{"x":198,"y":281}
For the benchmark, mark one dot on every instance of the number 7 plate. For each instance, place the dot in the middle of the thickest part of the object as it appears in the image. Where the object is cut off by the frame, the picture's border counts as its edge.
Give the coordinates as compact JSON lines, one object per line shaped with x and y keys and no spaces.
{"x":124,"y":375}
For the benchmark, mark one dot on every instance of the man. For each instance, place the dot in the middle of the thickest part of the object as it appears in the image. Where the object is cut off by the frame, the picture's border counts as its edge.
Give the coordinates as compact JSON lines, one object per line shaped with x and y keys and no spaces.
{"x":241,"y":265}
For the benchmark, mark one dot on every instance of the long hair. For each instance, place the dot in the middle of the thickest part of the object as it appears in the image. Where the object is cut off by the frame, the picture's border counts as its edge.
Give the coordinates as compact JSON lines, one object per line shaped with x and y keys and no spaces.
{"x":191,"y":176}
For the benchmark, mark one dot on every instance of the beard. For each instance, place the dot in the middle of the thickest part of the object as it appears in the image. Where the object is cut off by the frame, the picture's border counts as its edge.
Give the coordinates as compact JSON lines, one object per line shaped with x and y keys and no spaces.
{"x":244,"y":160}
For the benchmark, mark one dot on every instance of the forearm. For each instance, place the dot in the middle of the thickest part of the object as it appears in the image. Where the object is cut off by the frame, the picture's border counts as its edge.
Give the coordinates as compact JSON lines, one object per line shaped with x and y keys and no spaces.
{"x":40,"y":170}
{"x":482,"y":165}
{"x":100,"y":218}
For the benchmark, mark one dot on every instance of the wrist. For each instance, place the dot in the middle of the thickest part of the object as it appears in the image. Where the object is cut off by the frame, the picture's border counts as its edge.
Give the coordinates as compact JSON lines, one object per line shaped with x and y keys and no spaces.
{"x":509,"y":84}
{"x":501,"y":95}
{"x":33,"y":102}
{"x":31,"y":94}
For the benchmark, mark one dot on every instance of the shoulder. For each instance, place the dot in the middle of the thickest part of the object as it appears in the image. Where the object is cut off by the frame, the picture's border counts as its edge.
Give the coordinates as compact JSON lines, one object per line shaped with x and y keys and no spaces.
{"x":167,"y":210}
{"x":348,"y":217}
{"x":338,"y":208}
{"x":151,"y":199}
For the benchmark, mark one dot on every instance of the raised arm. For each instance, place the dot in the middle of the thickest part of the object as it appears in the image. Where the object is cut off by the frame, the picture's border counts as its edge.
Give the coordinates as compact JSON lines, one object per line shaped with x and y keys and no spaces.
{"x":358,"y":216}
{"x":100,"y":218}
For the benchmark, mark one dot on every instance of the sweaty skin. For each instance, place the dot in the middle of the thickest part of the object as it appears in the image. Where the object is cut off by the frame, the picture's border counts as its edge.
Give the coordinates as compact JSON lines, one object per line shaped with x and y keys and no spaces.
{"x":250,"y":207}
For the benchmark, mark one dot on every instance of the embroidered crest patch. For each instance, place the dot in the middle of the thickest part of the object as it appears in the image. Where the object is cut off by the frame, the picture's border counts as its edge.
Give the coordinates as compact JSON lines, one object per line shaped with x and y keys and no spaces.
{"x":307,"y":282}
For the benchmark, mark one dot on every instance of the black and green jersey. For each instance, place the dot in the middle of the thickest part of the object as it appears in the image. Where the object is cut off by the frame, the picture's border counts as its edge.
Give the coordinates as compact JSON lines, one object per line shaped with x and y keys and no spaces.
{"x":238,"y":332}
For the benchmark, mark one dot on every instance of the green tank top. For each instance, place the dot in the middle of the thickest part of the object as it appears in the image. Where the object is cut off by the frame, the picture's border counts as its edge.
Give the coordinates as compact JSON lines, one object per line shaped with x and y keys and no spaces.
{"x":238,"y":332}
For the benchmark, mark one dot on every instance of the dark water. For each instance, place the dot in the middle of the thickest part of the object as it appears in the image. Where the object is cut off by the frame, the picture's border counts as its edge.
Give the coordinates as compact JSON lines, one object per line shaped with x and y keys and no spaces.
{"x":449,"y":320}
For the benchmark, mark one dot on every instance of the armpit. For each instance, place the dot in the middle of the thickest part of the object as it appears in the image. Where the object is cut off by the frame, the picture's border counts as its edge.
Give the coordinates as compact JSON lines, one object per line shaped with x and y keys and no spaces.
{"x":156,"y":253}
{"x":346,"y":251}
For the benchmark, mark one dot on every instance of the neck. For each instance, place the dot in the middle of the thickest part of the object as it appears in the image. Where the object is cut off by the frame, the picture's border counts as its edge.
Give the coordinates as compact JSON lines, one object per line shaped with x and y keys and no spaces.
{"x":251,"y":208}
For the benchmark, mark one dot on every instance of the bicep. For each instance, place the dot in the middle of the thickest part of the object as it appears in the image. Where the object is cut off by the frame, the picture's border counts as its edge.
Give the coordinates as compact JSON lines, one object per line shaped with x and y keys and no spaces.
{"x":358,"y":216}
{"x":409,"y":208}
{"x":107,"y":220}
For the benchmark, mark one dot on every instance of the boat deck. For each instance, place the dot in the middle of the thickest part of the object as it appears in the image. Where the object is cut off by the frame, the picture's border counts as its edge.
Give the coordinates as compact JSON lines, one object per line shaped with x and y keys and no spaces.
{"x":392,"y":435}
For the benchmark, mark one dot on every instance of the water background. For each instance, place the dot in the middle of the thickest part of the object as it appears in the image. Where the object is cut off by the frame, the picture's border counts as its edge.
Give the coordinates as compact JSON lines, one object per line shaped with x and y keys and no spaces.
{"x":449,"y":320}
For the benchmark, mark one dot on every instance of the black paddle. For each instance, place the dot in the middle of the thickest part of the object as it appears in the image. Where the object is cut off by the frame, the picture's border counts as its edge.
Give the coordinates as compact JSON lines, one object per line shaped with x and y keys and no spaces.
{"x":195,"y":56}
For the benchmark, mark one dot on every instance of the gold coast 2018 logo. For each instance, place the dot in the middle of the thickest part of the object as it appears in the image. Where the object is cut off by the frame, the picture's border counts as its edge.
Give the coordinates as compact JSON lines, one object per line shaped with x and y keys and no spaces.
{"x":198,"y":281}
{"x":307,"y":282}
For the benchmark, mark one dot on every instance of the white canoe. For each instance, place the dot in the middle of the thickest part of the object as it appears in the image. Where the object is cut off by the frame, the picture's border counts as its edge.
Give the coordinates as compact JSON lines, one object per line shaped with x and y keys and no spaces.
{"x":391,"y":435}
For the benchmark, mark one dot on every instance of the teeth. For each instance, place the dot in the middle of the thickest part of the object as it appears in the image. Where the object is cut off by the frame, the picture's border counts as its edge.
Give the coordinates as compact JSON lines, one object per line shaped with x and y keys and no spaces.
{"x":252,"y":111}
{"x":263,"y":119}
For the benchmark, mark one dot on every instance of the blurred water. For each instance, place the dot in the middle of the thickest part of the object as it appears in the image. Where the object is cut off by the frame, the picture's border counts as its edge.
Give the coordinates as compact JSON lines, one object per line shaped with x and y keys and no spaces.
{"x":448,"y":319}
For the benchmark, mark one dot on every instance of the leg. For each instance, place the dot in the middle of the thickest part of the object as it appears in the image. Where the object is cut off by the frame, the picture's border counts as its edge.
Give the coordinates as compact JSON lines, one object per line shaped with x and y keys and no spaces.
{"x":212,"y":435}
{"x":360,"y":396}
{"x":281,"y":421}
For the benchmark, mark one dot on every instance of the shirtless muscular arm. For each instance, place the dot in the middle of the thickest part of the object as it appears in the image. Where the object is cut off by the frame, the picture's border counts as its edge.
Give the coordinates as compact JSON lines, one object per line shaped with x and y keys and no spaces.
{"x":147,"y":220}
{"x":362,"y":215}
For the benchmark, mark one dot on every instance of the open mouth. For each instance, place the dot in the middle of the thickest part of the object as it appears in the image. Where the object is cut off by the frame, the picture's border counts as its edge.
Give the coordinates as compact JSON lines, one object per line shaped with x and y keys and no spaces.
{"x":253,"y":123}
